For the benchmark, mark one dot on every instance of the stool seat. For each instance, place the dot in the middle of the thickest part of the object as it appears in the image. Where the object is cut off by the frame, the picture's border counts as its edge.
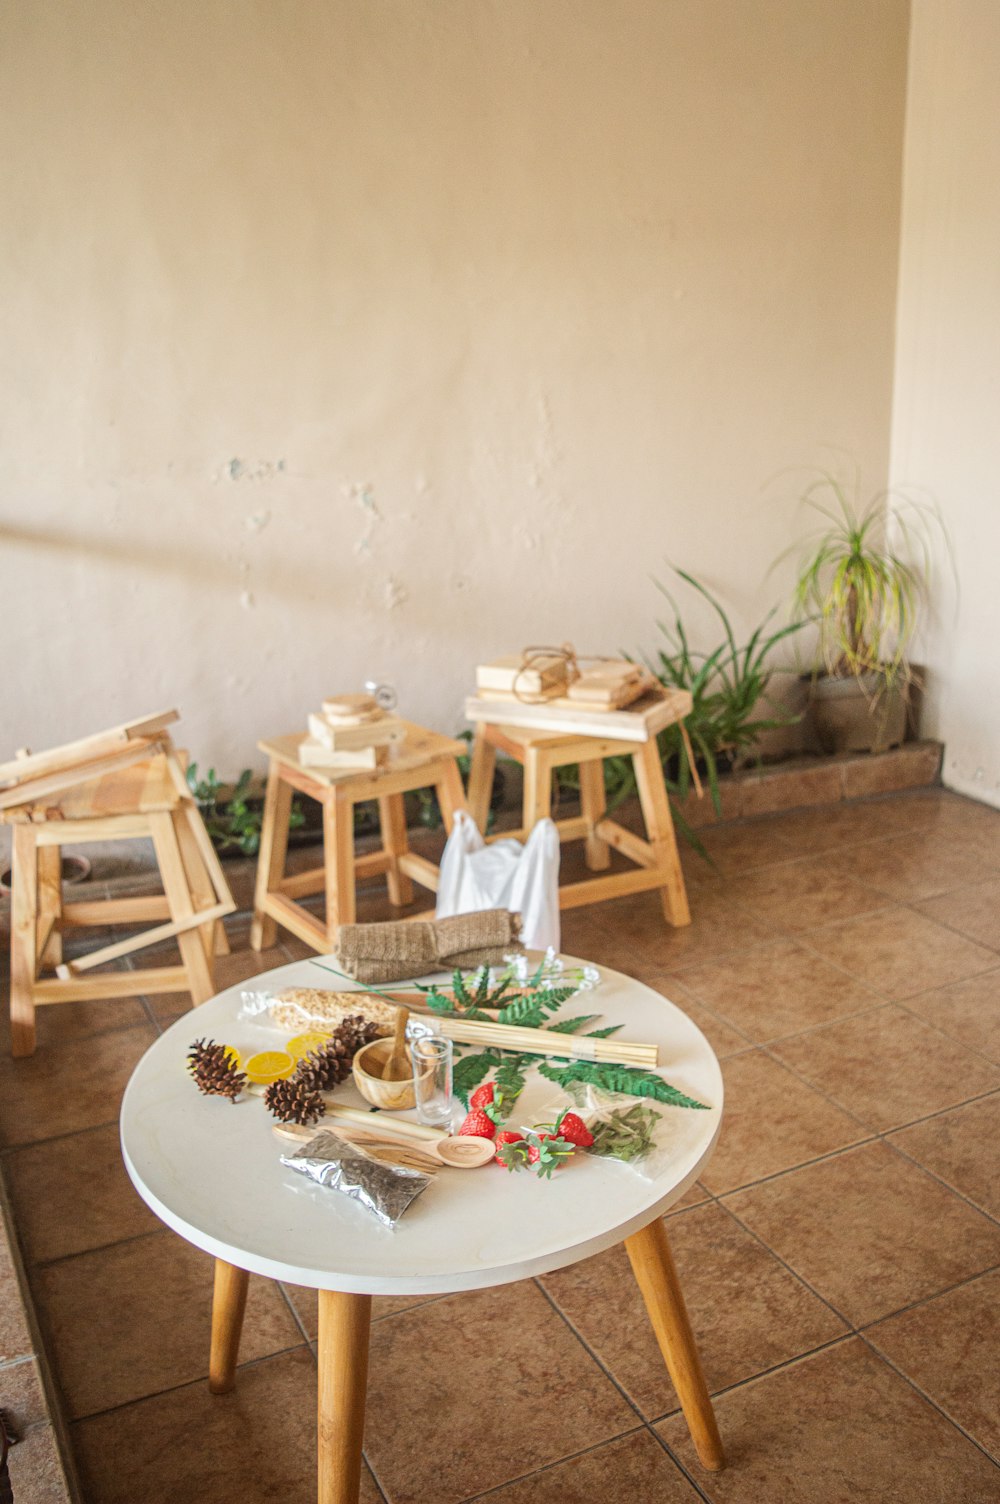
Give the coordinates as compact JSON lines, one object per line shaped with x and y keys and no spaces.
{"x":423,"y":759}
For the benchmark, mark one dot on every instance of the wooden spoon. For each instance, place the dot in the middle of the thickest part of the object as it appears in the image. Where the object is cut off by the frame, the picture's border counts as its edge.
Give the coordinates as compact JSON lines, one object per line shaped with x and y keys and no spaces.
{"x":397,"y":1067}
{"x":458,"y":1153}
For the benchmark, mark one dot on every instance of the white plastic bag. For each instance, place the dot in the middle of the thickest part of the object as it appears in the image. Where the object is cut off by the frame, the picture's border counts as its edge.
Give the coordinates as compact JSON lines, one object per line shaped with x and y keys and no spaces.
{"x":504,"y":875}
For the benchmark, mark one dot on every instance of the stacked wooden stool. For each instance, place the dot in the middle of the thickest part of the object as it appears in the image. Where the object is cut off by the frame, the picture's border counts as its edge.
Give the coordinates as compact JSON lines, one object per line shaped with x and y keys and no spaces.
{"x":123,"y":784}
{"x":402,"y":758}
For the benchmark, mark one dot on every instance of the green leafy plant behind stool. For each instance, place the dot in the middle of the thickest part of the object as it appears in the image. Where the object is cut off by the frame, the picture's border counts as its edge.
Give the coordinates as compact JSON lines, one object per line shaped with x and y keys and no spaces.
{"x":234,"y":823}
{"x":726,"y":686}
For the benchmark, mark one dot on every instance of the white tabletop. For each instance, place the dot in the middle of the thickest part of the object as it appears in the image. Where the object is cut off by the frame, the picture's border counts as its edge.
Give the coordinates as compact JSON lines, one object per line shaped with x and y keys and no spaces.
{"x":210,"y":1169}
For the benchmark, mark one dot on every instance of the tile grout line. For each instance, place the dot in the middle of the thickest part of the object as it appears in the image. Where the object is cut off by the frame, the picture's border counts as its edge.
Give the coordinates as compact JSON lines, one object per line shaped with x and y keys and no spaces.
{"x":588,"y":1349}
{"x":548,"y":1467}
{"x":934,"y":1404}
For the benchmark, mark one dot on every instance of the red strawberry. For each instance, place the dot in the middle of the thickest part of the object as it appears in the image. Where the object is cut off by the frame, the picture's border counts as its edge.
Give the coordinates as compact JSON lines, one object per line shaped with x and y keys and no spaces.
{"x":506,"y":1136}
{"x":478,"y":1124}
{"x":511,"y":1149}
{"x":548,"y":1153}
{"x":483,"y":1095}
{"x":572,"y":1127}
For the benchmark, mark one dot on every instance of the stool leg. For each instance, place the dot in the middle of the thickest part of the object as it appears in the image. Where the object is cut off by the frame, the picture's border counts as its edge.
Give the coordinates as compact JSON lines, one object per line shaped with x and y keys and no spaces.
{"x":481,"y":770}
{"x":271,"y":857}
{"x":49,"y":936}
{"x":23,"y":942}
{"x":449,"y":790}
{"x":392,"y":819}
{"x":660,"y":829}
{"x":213,"y":936}
{"x":653,"y":1267}
{"x":344,"y":1326}
{"x":229,"y":1300}
{"x":175,"y":886}
{"x":537,"y":789}
{"x":338,"y":860}
{"x":593,"y":806}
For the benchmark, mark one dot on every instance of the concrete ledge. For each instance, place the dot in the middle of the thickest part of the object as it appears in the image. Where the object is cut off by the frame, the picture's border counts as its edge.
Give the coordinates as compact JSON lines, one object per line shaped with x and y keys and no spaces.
{"x":809,"y":781}
{"x":39,"y":1471}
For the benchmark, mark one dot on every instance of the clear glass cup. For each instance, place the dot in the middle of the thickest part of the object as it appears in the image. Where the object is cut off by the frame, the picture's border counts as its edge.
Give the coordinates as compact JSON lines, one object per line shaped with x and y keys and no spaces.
{"x":432,"y":1057}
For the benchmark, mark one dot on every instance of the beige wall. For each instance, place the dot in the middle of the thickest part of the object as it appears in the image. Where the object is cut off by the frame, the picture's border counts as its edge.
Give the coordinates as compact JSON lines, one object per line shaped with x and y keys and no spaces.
{"x":381,"y":335}
{"x":946,"y":433}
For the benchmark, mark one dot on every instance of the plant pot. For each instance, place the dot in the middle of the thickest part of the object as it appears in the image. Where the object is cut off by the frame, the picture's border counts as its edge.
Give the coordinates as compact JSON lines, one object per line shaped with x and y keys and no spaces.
{"x":858,"y":714}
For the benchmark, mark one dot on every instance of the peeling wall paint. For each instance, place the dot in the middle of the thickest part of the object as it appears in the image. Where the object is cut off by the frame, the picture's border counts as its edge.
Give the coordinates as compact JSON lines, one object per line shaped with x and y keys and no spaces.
{"x":356,"y":346}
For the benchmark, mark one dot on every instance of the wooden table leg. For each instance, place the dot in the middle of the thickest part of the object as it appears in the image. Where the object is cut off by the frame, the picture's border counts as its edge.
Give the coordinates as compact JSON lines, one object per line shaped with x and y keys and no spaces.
{"x":537,"y":788}
{"x":593,"y":805}
{"x":653,"y":1267}
{"x":344,"y":1322}
{"x":229,"y":1300}
{"x":481,"y":770}
{"x":660,"y":829}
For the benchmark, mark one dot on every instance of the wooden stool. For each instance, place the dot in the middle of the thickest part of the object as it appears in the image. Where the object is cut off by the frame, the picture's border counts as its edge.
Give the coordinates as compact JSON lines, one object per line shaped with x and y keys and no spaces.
{"x":539,"y":753}
{"x":423,"y":760}
{"x":123,"y":784}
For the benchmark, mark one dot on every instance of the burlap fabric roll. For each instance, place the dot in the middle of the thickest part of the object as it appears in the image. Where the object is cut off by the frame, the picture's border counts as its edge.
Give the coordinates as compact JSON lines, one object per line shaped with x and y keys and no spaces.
{"x":397,"y":950}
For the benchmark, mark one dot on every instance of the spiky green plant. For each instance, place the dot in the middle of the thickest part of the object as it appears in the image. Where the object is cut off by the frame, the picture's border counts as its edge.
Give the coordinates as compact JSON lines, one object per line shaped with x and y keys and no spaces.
{"x":863,"y":577}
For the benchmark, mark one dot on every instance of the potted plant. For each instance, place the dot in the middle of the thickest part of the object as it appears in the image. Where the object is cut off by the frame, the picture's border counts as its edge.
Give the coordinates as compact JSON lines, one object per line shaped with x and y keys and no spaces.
{"x":863,"y":581}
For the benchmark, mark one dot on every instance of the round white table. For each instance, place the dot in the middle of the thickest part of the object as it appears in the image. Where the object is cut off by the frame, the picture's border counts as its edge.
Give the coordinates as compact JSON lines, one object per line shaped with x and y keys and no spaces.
{"x":211,"y":1171}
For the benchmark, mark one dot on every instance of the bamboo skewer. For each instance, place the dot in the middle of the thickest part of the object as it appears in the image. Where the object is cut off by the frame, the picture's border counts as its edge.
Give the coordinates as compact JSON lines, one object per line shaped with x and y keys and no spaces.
{"x":522,"y":1040}
{"x":544,"y":1042}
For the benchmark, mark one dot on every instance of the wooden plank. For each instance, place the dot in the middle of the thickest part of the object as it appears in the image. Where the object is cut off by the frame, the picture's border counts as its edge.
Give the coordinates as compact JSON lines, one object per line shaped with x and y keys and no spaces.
{"x":449,"y":790}
{"x":594,"y":803}
{"x":49,"y":905}
{"x":629,"y":844}
{"x":108,"y":828}
{"x":392,"y":820}
{"x":338,"y":859}
{"x":117,"y":910}
{"x":271,"y":855}
{"x":615,"y":885}
{"x":23,"y":948}
{"x":175,"y":885}
{"x":86,"y":749}
{"x":296,"y":919}
{"x":660,"y":828}
{"x":372,"y":863}
{"x":420,"y":869}
{"x":155,"y":979}
{"x":176,"y":927}
{"x":38,"y":789}
{"x":575,"y":828}
{"x":481,"y":771}
{"x":641,"y":721}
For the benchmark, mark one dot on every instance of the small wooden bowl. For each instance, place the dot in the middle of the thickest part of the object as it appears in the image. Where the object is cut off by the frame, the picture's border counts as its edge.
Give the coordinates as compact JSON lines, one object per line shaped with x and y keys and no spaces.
{"x":367,"y":1068}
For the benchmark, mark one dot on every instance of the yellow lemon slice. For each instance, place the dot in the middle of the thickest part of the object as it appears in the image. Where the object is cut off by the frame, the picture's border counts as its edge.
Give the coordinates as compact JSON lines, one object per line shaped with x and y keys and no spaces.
{"x":268,"y":1066}
{"x":305,"y":1044}
{"x":232,"y":1054}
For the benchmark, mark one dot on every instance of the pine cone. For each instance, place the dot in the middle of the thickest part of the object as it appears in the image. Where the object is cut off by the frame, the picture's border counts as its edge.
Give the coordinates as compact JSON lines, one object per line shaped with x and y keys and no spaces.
{"x":325,"y":1068}
{"x":291,"y":1101}
{"x":213,"y":1071}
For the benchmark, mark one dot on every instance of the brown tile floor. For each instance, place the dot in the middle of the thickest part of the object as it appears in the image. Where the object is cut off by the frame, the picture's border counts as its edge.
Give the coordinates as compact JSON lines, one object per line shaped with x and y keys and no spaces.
{"x":841,"y":1257}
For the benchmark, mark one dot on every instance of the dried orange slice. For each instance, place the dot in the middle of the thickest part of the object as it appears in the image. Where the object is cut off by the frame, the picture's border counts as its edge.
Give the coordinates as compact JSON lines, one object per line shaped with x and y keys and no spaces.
{"x":268,"y":1066}
{"x":232,"y":1054}
{"x":305,"y":1044}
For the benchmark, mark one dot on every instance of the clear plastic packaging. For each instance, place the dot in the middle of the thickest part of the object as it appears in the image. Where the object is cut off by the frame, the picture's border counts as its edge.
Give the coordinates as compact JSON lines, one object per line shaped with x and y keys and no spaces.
{"x":298,"y":1010}
{"x":634,"y":1131}
{"x":386,"y":1190}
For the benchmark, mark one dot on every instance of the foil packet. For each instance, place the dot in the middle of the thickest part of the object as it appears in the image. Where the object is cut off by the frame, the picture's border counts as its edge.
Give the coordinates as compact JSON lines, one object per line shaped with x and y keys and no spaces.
{"x":386,"y":1190}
